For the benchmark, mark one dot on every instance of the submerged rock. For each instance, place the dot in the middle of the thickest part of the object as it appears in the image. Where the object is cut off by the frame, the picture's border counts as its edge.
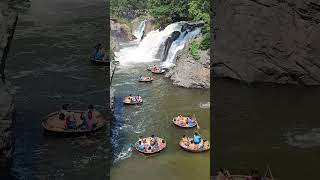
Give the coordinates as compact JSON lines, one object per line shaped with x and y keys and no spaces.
{"x":191,"y":73}
{"x":267,"y":41}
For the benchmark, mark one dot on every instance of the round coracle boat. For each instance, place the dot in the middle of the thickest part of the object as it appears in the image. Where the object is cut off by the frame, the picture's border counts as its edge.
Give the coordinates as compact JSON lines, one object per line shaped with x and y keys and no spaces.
{"x":132,"y":100}
{"x":184,"y":122}
{"x":187,"y":144}
{"x":158,"y":146}
{"x":99,"y":62}
{"x":53,"y":123}
{"x":146,"y":79}
{"x":158,"y":71}
{"x":149,"y":68}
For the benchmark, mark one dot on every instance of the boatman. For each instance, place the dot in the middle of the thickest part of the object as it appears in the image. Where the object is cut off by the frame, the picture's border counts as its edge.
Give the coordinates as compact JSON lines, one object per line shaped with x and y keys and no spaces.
{"x":99,"y":52}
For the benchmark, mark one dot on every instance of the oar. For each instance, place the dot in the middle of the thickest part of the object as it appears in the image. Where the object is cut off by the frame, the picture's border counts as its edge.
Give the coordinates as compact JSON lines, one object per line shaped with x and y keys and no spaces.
{"x":198,"y":126}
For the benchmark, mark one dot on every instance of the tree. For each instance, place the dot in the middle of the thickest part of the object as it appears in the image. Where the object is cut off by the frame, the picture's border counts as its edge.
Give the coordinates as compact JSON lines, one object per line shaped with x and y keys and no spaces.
{"x":162,"y":9}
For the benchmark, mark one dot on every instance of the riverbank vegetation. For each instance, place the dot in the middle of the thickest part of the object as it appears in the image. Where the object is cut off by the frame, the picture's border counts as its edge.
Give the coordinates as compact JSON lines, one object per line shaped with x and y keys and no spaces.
{"x":166,"y":12}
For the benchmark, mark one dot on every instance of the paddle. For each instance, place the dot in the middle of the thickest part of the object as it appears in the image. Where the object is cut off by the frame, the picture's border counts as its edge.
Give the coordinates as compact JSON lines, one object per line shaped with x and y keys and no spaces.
{"x":198,"y":126}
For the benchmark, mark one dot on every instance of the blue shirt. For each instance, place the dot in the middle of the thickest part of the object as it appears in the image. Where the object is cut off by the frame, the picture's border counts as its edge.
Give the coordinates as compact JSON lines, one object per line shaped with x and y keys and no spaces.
{"x":141,"y":147}
{"x":190,"y":122}
{"x":196,"y":138}
{"x":99,"y":56}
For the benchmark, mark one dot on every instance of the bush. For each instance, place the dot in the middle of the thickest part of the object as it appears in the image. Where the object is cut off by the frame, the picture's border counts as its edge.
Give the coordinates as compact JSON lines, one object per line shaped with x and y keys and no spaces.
{"x":195,"y":49}
{"x":205,"y":42}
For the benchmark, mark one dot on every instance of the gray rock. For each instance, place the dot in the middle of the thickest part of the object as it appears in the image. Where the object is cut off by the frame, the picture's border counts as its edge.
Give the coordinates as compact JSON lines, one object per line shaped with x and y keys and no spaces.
{"x":267,"y":41}
{"x":7,"y":134}
{"x":122,"y":31}
{"x":191,"y":73}
{"x":8,"y":20}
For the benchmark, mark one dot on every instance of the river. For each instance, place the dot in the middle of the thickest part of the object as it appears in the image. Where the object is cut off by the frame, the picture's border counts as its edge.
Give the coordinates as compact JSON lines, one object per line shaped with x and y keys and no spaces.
{"x":48,"y":65}
{"x":256,"y":125}
{"x":162,"y":102}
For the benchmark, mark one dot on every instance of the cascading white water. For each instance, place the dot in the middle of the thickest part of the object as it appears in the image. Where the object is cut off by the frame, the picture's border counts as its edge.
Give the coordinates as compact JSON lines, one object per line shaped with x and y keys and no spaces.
{"x":138,"y":33}
{"x":148,"y":48}
{"x":178,"y":45}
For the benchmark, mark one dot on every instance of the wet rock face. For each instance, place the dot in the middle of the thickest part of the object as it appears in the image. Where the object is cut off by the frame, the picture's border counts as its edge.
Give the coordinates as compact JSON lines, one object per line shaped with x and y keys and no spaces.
{"x":7,"y":135}
{"x":274,"y":41}
{"x":191,"y":26}
{"x":150,"y":25}
{"x":8,"y":20}
{"x":174,"y":36}
{"x":122,"y":31}
{"x":190,"y":73}
{"x":185,"y":28}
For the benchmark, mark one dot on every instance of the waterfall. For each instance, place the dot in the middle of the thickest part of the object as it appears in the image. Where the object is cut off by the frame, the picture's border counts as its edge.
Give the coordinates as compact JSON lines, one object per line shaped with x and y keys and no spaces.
{"x":138,"y":33}
{"x":149,"y":48}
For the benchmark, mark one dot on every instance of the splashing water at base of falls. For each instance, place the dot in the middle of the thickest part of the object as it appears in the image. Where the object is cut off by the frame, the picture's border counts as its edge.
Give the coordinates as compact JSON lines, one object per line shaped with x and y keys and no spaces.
{"x":139,"y":32}
{"x":149,"y":47}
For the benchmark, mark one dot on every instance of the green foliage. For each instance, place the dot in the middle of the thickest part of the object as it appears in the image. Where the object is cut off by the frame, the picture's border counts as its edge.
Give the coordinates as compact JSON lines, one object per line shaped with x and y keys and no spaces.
{"x":205,"y":41}
{"x":195,"y":50}
{"x":162,"y":9}
{"x":199,"y":10}
{"x":121,"y":8}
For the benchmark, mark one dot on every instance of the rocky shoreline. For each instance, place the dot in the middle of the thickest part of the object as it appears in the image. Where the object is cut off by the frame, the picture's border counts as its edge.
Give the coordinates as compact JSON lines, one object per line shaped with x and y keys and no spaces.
{"x":8,"y":19}
{"x":191,"y":73}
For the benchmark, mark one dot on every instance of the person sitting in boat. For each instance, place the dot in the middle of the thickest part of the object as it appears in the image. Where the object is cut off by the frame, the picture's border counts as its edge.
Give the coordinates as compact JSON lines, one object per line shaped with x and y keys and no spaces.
{"x":138,"y":98}
{"x":153,"y":141}
{"x":179,"y":116}
{"x":190,"y":123}
{"x":99,"y":52}
{"x":71,"y":122}
{"x":141,"y":146}
{"x":130,"y":98}
{"x":64,"y":113}
{"x":185,"y":140}
{"x":83,"y":118}
{"x":140,"y":138}
{"x":186,"y":120}
{"x":90,"y":120}
{"x":196,"y":138}
{"x":154,"y":67}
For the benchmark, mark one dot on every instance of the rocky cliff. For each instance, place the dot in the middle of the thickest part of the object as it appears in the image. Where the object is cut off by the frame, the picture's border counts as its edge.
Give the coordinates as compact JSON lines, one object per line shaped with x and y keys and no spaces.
{"x":121,"y":30}
{"x":275,"y":41}
{"x":8,"y":20}
{"x":191,"y":73}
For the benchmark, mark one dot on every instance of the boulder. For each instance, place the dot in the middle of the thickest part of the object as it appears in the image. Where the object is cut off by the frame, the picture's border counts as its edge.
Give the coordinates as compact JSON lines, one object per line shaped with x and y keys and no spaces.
{"x":267,"y":41}
{"x":191,"y":73}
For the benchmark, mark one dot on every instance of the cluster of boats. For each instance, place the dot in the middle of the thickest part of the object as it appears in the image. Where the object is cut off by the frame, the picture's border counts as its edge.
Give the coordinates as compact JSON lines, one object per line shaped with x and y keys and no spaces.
{"x":152,"y":144}
{"x":78,"y":121}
